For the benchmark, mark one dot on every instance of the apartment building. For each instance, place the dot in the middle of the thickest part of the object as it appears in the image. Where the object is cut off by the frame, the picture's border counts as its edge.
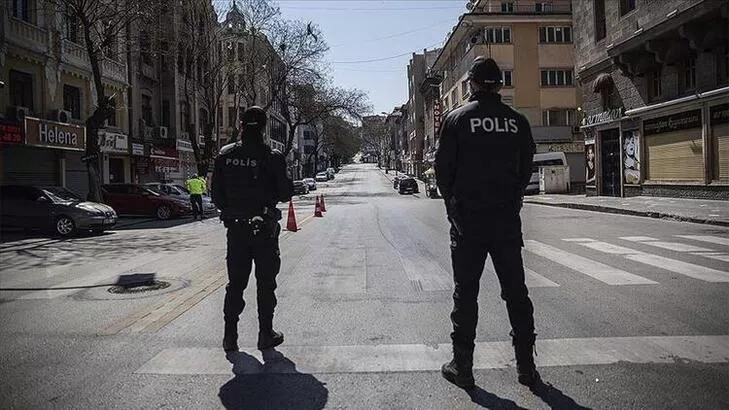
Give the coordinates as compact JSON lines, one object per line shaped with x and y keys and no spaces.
{"x":532,"y":41}
{"x":48,"y":95}
{"x":416,"y":130}
{"x":654,"y":75}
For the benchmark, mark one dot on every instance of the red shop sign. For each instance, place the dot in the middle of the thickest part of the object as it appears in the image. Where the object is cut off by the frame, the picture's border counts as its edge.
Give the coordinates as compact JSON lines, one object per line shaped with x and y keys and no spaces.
{"x":170,"y":152}
{"x":11,"y":133}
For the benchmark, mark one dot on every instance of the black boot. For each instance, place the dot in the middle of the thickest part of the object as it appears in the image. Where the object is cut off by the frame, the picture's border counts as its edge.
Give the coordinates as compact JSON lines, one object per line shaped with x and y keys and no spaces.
{"x":525,"y":367}
{"x":230,"y":338}
{"x":459,"y":371}
{"x":268,"y":339}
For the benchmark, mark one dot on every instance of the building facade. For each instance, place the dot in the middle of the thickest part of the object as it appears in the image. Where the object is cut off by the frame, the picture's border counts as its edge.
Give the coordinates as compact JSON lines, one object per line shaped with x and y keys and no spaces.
{"x":416,"y":129}
{"x":49,"y":93}
{"x":654,"y":77}
{"x":532,"y":42}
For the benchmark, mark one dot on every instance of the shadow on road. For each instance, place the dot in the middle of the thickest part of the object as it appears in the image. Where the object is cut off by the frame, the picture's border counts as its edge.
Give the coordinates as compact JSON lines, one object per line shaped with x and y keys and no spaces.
{"x":554,"y":397}
{"x":273,"y":384}
{"x":491,"y":401}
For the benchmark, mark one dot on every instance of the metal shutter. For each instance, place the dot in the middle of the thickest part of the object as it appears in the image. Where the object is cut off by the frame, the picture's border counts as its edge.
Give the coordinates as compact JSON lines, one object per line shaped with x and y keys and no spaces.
{"x":25,"y":165}
{"x":77,"y":179}
{"x":675,"y":156}
{"x":721,"y":152}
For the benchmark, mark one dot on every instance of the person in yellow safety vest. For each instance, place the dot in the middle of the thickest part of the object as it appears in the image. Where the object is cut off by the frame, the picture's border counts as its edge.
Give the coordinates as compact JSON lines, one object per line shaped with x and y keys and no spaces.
{"x":197,"y":188}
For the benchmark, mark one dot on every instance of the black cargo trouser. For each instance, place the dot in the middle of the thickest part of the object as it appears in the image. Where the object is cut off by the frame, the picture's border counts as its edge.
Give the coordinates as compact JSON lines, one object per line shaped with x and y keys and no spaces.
{"x":245,"y":247}
{"x":468,"y":256}
{"x":197,"y":205}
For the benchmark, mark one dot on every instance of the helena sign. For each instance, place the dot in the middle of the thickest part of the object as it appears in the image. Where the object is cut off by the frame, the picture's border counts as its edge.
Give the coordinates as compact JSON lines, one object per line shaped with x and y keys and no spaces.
{"x":51,"y":134}
{"x":605,"y":116}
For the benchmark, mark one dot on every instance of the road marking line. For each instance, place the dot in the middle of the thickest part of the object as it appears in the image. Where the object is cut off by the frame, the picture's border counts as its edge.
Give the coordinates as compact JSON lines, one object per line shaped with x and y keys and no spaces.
{"x":671,"y":246}
{"x":706,"y":238}
{"x":596,"y":270}
{"x":578,"y":240}
{"x":673,"y":265}
{"x":638,"y":238}
{"x":531,"y":279}
{"x":419,"y":357}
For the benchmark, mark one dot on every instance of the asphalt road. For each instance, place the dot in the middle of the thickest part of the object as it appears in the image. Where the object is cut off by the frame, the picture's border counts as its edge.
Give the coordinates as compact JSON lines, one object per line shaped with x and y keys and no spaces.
{"x":631,"y":313}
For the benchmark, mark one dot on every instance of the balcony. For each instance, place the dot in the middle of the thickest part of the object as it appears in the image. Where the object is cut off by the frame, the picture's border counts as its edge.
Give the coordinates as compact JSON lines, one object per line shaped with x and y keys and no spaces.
{"x":524,"y":7}
{"x":149,"y":71}
{"x":75,"y":54}
{"x":28,"y":35}
{"x":552,"y":134}
{"x":114,"y":70}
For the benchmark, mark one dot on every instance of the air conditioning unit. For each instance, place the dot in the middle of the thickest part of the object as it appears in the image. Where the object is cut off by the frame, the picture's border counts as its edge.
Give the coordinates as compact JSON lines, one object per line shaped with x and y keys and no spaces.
{"x":18,"y":113}
{"x":161,"y":132}
{"x":62,"y":116}
{"x":576,"y":129}
{"x":201,"y":140}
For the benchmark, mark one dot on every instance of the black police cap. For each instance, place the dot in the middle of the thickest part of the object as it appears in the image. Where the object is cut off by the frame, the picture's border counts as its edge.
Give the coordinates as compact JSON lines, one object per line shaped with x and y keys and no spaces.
{"x":253,"y":116}
{"x":485,"y":71}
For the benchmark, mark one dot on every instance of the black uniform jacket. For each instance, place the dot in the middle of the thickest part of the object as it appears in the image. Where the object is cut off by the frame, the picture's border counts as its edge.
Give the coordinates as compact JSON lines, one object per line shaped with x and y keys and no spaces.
{"x":248,"y":179}
{"x":484,"y":160}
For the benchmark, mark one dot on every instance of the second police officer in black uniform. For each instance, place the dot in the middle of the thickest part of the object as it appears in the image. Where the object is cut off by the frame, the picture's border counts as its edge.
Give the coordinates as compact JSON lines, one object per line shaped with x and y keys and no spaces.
{"x":248,"y":181}
{"x":483,"y":164}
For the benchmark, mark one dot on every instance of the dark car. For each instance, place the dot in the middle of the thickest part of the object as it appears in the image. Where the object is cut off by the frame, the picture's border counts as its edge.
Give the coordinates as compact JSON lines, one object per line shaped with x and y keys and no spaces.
{"x":180,"y":192}
{"x":131,"y":199}
{"x":301,"y":188}
{"x":396,"y":181}
{"x":52,"y":208}
{"x":311,"y":182}
{"x":407,"y":186}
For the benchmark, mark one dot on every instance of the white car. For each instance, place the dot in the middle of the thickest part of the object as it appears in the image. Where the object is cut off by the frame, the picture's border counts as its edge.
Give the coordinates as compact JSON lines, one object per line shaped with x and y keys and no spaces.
{"x":322,"y":177}
{"x":311,"y":182}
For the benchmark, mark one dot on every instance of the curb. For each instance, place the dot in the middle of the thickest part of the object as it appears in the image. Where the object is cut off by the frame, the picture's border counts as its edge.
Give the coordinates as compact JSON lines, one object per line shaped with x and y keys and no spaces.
{"x":621,"y":211}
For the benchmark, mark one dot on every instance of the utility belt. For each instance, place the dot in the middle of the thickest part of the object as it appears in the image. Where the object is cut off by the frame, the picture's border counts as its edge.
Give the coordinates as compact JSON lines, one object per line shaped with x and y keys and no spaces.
{"x":267,"y":220}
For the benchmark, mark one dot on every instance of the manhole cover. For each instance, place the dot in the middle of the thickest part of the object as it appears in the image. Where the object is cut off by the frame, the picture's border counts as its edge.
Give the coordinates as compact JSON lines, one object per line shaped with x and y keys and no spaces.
{"x":133,"y":288}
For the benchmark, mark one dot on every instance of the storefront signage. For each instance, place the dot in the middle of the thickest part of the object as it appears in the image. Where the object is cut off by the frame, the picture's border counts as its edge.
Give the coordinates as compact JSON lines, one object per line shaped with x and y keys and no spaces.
{"x":11,"y":132}
{"x":631,"y":157}
{"x":720,"y":114}
{"x":113,"y":142}
{"x":676,"y":122}
{"x":53,"y":134}
{"x":183,"y":145}
{"x":164,"y":152}
{"x":437,"y":115}
{"x":605,"y":116}
{"x":165,"y":166}
{"x":137,"y":149}
{"x":590,"y":163}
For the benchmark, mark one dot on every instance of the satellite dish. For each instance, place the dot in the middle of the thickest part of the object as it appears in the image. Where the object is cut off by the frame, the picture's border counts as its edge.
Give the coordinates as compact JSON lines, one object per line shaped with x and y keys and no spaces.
{"x":469,"y":6}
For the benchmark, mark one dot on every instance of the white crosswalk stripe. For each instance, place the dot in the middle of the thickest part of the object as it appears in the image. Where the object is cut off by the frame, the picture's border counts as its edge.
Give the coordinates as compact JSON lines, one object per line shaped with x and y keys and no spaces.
{"x":671,"y":246}
{"x":600,"y":271}
{"x":531,"y":278}
{"x":684,"y":268}
{"x":706,"y":238}
{"x":724,"y":257}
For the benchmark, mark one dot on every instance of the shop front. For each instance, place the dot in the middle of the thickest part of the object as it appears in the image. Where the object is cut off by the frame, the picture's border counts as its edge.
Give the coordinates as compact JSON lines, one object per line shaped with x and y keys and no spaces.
{"x":165,"y":163}
{"x":187,"y":163}
{"x":44,"y":152}
{"x":116,"y":165}
{"x":603,"y":149}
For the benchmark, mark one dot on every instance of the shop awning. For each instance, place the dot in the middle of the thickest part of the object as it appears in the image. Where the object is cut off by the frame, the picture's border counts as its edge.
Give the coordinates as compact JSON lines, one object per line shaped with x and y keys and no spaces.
{"x":603,"y":82}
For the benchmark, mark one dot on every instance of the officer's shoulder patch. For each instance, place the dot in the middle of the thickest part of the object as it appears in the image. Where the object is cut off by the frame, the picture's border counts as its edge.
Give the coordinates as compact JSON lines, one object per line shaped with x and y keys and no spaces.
{"x":227,"y":148}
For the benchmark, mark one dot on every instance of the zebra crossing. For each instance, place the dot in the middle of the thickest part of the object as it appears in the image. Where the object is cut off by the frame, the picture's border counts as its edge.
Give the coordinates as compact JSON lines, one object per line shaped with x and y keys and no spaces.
{"x":709,"y":249}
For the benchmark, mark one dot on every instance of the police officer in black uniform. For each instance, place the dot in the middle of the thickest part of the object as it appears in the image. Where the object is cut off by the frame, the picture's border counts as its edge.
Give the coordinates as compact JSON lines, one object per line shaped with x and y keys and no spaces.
{"x":249,"y":180}
{"x":483,"y":164}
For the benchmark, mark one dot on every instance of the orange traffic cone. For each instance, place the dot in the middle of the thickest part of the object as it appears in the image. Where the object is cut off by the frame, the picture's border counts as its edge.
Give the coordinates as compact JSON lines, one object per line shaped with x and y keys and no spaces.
{"x":323,"y":205}
{"x":317,"y":209}
{"x":291,"y":223}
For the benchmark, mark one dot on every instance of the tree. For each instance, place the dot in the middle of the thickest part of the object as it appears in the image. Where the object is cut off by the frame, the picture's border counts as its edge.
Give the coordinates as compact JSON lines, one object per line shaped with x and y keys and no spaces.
{"x":375,"y":136}
{"x":102,"y":24}
{"x":338,"y":137}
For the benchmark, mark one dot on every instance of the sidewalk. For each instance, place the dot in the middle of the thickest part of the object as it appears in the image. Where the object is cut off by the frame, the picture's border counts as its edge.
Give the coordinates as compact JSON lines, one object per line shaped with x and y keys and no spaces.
{"x":681,"y":209}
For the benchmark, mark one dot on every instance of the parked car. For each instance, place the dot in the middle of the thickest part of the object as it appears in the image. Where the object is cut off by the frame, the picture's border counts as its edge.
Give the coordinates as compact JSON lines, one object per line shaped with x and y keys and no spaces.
{"x":396,"y":181}
{"x":322,"y":177}
{"x":179,"y":191}
{"x":311,"y":182}
{"x":408,"y":185}
{"x":131,"y":199}
{"x":54,"y":208}
{"x":330,"y":171}
{"x":300,"y":188}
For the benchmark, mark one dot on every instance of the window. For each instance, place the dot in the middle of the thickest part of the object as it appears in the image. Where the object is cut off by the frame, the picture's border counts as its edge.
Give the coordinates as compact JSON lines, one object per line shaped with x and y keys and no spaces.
{"x":147,"y":110}
{"x":111,"y":122}
{"x":497,"y":35}
{"x":626,"y":6}
{"x":241,"y":52}
{"x":559,"y":118}
{"x":722,"y":66}
{"x":465,"y":92}
{"x":556,"y":78}
{"x":507,"y":7}
{"x":506,"y":77}
{"x":654,"y":84}
{"x":542,"y":7}
{"x":241,"y":82}
{"x":72,"y":100}
{"x":600,"y":27}
{"x":555,"y":34}
{"x":70,"y":29}
{"x":446,"y":103}
{"x":185,"y":116}
{"x":688,"y":75}
{"x":232,"y":120}
{"x":21,"y":10}
{"x":21,"y":89}
{"x":231,"y":84}
{"x":145,"y":47}
{"x":165,"y":113}
{"x":454,"y":97}
{"x":231,"y":51}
